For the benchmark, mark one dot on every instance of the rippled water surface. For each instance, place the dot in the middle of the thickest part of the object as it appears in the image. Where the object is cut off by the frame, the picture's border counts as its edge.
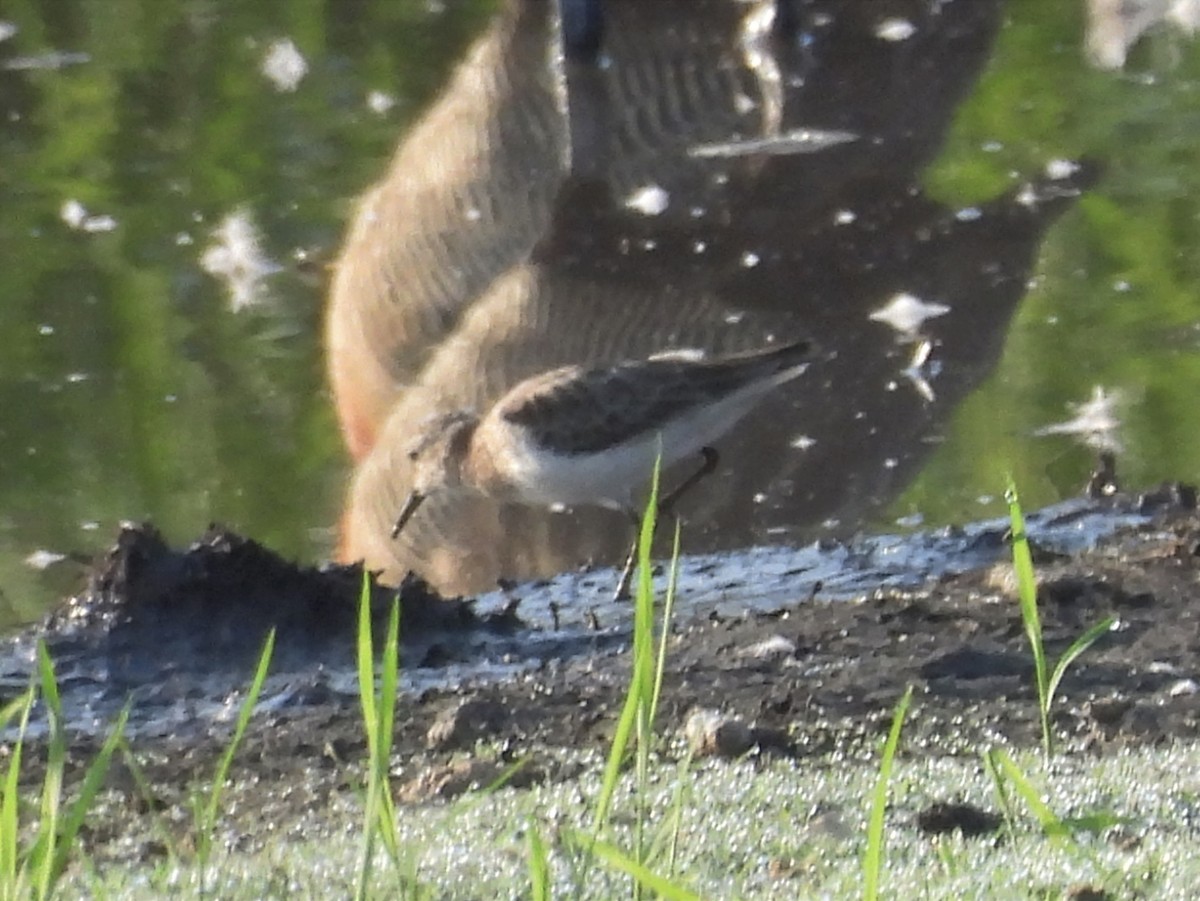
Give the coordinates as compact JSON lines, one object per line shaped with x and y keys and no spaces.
{"x":176,"y":178}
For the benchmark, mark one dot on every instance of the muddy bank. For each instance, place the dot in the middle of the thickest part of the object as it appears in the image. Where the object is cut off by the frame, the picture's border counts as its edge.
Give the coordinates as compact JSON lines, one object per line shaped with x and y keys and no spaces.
{"x":805,"y":676}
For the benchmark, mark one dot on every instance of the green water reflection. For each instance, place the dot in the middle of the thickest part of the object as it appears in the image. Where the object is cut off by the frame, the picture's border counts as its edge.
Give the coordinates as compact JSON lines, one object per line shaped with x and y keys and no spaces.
{"x":129,"y":389}
{"x":1116,"y":298}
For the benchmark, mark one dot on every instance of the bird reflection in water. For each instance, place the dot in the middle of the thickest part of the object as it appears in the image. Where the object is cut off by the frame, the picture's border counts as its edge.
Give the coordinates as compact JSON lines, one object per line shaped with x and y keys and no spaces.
{"x":688,"y":174}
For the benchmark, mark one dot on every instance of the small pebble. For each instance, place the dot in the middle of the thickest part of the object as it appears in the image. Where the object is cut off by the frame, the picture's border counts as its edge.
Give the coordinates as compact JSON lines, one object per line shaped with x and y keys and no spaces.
{"x":710,"y":733}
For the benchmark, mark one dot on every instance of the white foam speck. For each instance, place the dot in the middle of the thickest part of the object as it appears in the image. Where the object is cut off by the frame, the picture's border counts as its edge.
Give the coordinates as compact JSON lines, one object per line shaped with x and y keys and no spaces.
{"x":1183,"y":688}
{"x":750,"y":259}
{"x":73,"y":213}
{"x":906,"y":313}
{"x":235,"y":257}
{"x":1058,"y":169}
{"x":103,"y":223}
{"x":844,"y":217}
{"x":649,"y":200}
{"x":7,"y":30}
{"x":687,"y":354}
{"x":43,"y":559}
{"x":76,"y":216}
{"x":284,"y":65}
{"x":895,"y":29}
{"x":50,"y":60}
{"x":1095,"y":421}
{"x":379,"y":102}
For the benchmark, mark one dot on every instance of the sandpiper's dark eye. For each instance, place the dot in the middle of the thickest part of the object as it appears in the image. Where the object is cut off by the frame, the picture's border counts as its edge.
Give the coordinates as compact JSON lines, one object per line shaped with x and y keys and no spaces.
{"x":412,"y":454}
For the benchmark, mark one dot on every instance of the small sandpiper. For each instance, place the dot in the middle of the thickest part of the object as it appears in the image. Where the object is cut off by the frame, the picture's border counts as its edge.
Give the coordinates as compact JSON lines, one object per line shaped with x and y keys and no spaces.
{"x":589,"y":437}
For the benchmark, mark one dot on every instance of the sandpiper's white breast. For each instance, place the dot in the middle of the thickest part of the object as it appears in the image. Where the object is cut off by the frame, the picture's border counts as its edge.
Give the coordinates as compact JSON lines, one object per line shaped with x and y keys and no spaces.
{"x":541,"y":476}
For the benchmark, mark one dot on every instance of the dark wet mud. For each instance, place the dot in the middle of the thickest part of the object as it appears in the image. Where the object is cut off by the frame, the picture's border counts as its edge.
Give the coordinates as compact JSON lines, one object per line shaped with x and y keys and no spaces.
{"x":801,"y":677}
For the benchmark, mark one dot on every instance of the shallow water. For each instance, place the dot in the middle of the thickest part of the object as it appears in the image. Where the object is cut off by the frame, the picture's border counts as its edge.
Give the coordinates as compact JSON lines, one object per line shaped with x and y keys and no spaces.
{"x":136,"y":383}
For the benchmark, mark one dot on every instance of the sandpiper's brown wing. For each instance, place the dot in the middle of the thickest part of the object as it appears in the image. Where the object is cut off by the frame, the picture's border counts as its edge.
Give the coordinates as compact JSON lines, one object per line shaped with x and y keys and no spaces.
{"x":577,"y":411}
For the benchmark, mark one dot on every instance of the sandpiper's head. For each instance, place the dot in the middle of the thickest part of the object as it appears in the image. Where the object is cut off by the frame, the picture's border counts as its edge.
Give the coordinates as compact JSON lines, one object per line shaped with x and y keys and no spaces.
{"x":437,"y":456}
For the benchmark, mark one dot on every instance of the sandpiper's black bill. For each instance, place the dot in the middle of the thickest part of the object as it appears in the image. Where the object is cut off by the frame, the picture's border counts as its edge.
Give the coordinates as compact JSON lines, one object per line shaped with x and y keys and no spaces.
{"x":410,"y":507}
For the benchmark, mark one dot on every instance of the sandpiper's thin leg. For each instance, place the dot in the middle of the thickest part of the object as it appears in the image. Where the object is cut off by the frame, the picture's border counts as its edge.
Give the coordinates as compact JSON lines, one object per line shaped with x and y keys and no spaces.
{"x":582,"y":28}
{"x":622,"y":593}
{"x":665,"y":506}
{"x":711,"y":458}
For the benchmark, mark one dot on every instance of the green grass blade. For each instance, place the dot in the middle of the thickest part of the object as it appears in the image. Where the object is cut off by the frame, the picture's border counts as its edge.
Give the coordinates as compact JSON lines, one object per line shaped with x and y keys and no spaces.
{"x":11,"y":883}
{"x":389,"y":687}
{"x":660,"y":885}
{"x":660,"y":662}
{"x":993,"y":770}
{"x":150,"y":799}
{"x":93,"y":781}
{"x":1081,"y":644}
{"x":616,"y":759}
{"x":1023,"y":565}
{"x":379,"y":714}
{"x":12,"y":710}
{"x":365,"y":657}
{"x":1030,"y":616}
{"x":1051,"y":825}
{"x":646,"y":537}
{"x":643,"y":614}
{"x":48,"y":683}
{"x":643,"y":665}
{"x":873,"y":856}
{"x":389,"y":678}
{"x":539,"y":866}
{"x":674,"y":825}
{"x":638,"y":699}
{"x":43,"y":853}
{"x":209,"y":815}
